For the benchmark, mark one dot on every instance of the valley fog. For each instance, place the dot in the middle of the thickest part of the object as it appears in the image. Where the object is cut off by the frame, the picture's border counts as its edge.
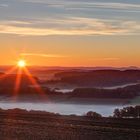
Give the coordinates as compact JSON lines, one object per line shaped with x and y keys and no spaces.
{"x":65,"y":109}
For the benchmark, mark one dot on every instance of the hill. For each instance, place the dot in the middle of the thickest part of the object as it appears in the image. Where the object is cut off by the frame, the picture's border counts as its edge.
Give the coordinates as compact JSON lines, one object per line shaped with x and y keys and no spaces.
{"x":98,"y":78}
{"x":21,"y":125}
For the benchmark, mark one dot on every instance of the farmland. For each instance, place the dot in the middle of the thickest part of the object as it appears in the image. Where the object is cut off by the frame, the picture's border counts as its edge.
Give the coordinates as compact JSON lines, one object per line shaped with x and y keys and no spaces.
{"x":35,"y":125}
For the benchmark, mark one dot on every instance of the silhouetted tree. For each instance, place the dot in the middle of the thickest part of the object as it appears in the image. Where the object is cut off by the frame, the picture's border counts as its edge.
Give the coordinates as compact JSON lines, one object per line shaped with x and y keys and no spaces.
{"x":117,"y":113}
{"x":127,"y":112}
{"x":93,"y":115}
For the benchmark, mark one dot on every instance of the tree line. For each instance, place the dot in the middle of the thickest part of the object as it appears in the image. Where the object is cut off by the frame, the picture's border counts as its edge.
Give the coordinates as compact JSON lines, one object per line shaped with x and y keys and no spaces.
{"x":127,"y":112}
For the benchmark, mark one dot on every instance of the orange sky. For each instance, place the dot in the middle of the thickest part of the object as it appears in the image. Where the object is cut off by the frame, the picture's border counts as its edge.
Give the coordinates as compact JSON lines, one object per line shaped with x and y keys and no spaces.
{"x":70,"y":32}
{"x":71,"y":51}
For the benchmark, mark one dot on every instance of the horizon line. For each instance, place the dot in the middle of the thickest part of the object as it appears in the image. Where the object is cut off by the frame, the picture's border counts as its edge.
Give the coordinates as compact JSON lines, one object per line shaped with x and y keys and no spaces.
{"x":9,"y":65}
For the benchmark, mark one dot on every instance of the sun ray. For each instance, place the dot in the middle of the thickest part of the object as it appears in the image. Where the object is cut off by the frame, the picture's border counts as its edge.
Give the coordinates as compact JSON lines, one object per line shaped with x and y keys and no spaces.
{"x":10,"y":71}
{"x":34,"y":82}
{"x":22,"y":69}
{"x":20,"y":65}
{"x":17,"y":82}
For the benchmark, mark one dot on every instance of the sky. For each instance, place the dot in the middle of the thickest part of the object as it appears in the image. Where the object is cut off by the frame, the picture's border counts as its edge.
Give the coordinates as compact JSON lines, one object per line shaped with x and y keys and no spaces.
{"x":70,"y":32}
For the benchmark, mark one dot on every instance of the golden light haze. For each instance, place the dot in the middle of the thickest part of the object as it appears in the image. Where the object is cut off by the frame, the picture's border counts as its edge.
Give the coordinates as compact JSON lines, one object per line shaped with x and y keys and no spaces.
{"x":114,"y":51}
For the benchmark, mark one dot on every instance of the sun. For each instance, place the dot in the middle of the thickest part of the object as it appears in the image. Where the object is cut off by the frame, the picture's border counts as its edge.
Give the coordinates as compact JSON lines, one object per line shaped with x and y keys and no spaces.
{"x":21,"y":63}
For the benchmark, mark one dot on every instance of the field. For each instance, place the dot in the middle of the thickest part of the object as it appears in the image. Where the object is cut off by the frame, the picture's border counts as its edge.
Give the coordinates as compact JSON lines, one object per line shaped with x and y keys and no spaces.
{"x":23,"y":125}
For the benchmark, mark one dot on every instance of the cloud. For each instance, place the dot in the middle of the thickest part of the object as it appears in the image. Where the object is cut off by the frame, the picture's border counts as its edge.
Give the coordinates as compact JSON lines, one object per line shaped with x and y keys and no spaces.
{"x":79,"y":4}
{"x":107,"y":5}
{"x":3,"y":5}
{"x":106,"y":59}
{"x":70,"y":26}
{"x":52,"y":21}
{"x":43,"y":55}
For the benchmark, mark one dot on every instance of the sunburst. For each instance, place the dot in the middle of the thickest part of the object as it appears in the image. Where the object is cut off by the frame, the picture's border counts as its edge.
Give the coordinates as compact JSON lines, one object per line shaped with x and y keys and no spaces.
{"x":21,"y":63}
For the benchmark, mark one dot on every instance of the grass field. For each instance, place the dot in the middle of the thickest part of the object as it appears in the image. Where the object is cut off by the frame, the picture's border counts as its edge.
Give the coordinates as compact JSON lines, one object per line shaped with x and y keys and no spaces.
{"x":46,"y":126}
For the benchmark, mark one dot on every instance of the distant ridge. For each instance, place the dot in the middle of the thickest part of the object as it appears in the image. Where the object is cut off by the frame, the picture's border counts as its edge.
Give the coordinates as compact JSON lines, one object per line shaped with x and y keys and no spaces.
{"x":32,"y":68}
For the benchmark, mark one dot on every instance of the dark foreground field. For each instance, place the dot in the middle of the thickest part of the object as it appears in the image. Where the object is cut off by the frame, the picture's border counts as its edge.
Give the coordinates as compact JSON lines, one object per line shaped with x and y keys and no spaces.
{"x":23,"y":125}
